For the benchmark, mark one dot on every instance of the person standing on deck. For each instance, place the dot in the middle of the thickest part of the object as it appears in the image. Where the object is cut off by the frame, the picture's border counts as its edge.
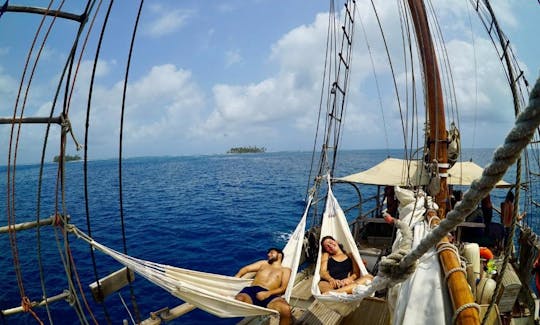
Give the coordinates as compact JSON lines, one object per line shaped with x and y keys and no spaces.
{"x":270,"y":282}
{"x":392,"y":202}
{"x":487,"y":209}
{"x":487,"y":213}
{"x":507,"y":213}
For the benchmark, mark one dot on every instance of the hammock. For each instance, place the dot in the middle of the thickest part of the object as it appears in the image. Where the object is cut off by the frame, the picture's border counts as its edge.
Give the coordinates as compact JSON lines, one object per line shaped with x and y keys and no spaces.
{"x":212,"y":293}
{"x":335,"y":224}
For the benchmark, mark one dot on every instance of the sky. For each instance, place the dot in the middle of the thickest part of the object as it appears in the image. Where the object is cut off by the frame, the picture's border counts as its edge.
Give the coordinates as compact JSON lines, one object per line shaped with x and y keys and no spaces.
{"x":210,"y":75}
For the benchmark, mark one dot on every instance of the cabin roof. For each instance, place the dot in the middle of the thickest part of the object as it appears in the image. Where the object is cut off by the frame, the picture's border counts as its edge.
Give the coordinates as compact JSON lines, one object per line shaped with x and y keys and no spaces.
{"x":393,"y":171}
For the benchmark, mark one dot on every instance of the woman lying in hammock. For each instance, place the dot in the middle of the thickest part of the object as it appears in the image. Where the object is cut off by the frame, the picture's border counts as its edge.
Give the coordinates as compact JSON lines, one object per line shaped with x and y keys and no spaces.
{"x":339,"y":271}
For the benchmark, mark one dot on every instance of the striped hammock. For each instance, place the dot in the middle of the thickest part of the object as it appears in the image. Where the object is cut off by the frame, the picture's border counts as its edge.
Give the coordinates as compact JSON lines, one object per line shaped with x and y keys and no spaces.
{"x":212,"y":293}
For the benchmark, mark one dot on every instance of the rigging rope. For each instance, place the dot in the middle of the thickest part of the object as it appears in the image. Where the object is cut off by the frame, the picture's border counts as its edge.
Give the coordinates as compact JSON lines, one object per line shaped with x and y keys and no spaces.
{"x":85,"y":162}
{"x":38,"y":236}
{"x":126,"y":307}
{"x":120,"y":145}
{"x":12,"y":165}
{"x":375,"y":78}
{"x":70,"y":267}
{"x":408,"y":54}
{"x":476,"y":91}
{"x":309,"y":188}
{"x":338,"y":71}
{"x":505,"y":48}
{"x":450,"y":90}
{"x":393,"y":73}
{"x":66,"y":129}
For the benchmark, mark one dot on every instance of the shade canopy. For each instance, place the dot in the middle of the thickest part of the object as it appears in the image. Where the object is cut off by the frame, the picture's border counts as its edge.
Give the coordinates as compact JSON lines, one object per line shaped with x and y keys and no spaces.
{"x":393,"y":171}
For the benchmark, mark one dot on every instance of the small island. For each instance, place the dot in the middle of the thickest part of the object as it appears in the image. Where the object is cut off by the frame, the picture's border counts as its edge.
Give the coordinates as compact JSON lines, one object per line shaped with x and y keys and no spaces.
{"x":250,"y":149}
{"x":67,"y":158}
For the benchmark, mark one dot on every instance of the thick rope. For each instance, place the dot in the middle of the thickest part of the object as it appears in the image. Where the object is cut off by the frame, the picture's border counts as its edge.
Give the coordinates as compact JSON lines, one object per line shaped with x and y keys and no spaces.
{"x":389,"y":266}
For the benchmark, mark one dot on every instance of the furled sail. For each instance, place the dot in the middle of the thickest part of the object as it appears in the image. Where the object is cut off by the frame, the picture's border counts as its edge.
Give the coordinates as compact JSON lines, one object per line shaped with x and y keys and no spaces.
{"x":335,"y":224}
{"x":212,"y":293}
{"x":425,"y":285}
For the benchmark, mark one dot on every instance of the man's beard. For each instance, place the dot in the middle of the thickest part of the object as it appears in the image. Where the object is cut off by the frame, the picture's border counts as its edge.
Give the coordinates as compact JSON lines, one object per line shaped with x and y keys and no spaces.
{"x":272,"y":260}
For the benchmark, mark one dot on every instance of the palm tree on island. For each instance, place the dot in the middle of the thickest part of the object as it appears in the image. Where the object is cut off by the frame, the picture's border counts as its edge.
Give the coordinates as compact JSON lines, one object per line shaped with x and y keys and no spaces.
{"x":67,"y":158}
{"x":250,"y":149}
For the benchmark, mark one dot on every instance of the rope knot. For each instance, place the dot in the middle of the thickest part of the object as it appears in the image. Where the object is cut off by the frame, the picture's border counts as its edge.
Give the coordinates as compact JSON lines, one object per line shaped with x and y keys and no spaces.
{"x":58,"y":220}
{"x":26,"y":304}
{"x":391,"y":266}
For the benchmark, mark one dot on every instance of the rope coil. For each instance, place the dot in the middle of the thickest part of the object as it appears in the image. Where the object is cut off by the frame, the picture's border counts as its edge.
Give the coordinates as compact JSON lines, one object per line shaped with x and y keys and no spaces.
{"x":448,"y":247}
{"x":462,"y":308}
{"x":452,"y":271}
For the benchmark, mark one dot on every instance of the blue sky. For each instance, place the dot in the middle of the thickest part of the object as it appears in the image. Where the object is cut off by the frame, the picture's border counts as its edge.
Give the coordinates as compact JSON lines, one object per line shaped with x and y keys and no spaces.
{"x":210,"y":75}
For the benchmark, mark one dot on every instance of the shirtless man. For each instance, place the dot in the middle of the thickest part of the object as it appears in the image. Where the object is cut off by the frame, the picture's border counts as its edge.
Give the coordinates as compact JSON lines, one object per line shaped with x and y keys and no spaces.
{"x":269,"y":284}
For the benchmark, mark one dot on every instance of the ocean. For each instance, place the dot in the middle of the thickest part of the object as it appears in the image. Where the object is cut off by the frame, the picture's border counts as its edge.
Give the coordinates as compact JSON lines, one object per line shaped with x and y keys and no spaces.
{"x":209,"y":213}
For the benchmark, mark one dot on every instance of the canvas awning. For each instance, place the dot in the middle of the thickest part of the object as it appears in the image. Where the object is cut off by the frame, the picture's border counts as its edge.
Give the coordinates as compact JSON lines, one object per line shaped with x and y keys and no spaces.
{"x":393,"y":171}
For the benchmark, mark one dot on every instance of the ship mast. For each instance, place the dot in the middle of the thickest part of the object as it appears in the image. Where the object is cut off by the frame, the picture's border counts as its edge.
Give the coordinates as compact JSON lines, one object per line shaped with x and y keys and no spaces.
{"x":459,"y":290}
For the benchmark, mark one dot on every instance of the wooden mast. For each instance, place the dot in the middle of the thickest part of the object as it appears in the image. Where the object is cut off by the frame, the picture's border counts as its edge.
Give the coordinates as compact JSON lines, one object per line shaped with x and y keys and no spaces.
{"x":459,"y":290}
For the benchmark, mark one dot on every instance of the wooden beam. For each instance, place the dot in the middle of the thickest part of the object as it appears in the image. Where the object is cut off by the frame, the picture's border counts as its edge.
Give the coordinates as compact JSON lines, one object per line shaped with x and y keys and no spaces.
{"x":28,"y":225}
{"x":166,"y":314}
{"x":43,"y":11}
{"x":63,"y":296}
{"x":31,"y":120}
{"x":111,"y":283}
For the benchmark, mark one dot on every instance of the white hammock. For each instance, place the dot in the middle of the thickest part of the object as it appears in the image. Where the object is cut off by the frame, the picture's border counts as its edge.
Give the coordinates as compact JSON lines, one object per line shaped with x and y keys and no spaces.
{"x":335,"y":224}
{"x":212,"y":293}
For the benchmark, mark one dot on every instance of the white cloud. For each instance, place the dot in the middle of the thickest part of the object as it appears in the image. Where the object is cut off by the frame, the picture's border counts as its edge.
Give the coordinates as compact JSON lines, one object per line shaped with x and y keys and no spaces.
{"x":167,"y":21}
{"x":225,"y":7}
{"x":160,"y":109}
{"x":7,"y":85}
{"x":504,"y":11}
{"x":232,"y":57}
{"x":279,"y":105}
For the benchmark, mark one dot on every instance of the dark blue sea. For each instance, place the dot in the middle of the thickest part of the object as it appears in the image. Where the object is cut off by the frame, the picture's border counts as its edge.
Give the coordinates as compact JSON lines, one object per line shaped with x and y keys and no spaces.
{"x":208,"y":213}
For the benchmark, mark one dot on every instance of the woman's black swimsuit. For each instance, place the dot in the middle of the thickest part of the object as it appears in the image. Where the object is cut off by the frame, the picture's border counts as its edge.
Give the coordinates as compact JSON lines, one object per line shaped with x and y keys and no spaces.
{"x":339,"y":270}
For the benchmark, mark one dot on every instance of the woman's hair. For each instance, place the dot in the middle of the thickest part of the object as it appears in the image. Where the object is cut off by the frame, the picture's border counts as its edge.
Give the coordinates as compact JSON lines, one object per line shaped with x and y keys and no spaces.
{"x":330,"y":237}
{"x":510,"y":196}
